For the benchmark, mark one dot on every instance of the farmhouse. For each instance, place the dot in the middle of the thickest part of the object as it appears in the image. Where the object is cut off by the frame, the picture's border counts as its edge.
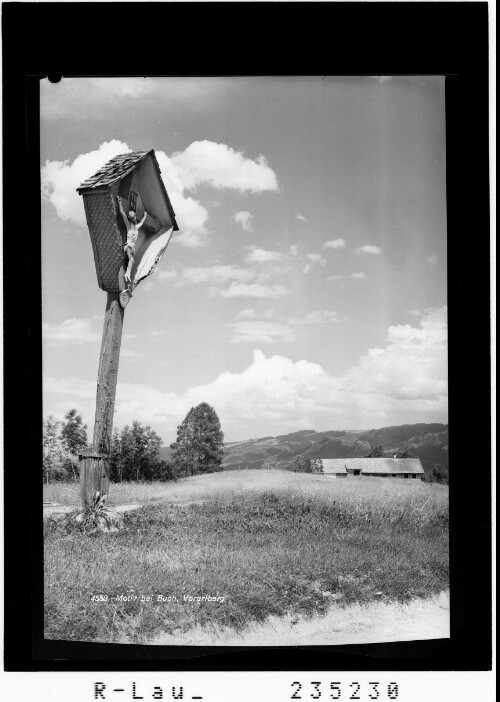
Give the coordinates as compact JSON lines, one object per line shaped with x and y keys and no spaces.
{"x":381,"y":467}
{"x":393,"y":467}
{"x":334,"y":467}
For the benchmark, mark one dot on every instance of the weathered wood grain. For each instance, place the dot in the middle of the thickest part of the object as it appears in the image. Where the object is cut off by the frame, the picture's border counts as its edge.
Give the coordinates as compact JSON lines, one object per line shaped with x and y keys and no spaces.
{"x":94,"y":466}
{"x":108,"y":374}
{"x":94,"y":476}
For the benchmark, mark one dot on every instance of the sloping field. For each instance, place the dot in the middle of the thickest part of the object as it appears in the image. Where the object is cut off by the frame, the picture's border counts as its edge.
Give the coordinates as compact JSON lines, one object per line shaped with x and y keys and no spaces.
{"x":227,"y":551}
{"x":320,"y":487}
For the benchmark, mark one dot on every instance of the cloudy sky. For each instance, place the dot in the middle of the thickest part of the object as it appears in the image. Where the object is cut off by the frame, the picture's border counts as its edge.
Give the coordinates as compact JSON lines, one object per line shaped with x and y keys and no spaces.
{"x":306,"y":287}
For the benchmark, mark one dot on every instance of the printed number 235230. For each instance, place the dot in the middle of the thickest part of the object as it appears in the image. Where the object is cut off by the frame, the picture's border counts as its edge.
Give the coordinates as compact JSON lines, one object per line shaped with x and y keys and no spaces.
{"x":347,"y":691}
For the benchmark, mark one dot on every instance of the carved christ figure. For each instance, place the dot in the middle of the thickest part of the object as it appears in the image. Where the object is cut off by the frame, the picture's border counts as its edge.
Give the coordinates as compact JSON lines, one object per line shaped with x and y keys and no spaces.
{"x":132,"y":234}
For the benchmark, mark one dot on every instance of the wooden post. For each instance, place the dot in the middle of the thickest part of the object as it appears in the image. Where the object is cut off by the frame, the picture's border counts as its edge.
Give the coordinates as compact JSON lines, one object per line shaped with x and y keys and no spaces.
{"x":94,"y":476}
{"x":94,"y":466}
{"x":108,"y":374}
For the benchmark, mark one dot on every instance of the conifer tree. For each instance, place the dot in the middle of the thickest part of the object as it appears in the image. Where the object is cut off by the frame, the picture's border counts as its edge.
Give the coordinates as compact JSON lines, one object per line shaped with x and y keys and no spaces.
{"x":74,"y":432}
{"x":199,"y":445}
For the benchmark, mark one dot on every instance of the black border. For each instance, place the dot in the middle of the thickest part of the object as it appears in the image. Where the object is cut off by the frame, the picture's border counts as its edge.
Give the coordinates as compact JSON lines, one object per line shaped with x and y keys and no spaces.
{"x":41,"y":39}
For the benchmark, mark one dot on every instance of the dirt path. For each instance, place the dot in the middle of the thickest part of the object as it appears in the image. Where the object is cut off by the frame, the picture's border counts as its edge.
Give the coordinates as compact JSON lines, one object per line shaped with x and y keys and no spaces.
{"x":373,"y":623}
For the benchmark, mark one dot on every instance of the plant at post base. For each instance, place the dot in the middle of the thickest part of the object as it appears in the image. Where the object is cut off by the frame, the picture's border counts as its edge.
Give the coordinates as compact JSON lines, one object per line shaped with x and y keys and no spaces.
{"x":97,"y":515}
{"x":200,"y":441}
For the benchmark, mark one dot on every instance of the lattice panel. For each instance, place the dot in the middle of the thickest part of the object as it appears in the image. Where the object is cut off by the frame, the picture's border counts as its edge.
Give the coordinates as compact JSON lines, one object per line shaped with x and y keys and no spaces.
{"x":106,"y":236}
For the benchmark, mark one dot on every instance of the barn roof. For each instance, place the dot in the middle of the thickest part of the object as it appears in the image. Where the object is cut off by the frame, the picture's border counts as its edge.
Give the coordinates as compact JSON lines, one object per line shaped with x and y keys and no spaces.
{"x":114,"y":170}
{"x":333,"y":465}
{"x":374,"y":465}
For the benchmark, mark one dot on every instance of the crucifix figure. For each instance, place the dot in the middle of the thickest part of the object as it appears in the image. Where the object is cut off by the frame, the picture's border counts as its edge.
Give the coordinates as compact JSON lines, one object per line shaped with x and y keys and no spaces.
{"x":132,"y":234}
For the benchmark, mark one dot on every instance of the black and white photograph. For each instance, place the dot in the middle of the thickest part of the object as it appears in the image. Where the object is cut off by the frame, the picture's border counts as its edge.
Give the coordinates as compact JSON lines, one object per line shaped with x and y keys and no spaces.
{"x":247,"y":351}
{"x":244,"y":318}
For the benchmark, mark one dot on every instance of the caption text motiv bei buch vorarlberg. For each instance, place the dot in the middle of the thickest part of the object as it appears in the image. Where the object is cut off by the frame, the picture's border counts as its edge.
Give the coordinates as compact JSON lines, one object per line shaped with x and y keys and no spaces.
{"x":173,"y":599}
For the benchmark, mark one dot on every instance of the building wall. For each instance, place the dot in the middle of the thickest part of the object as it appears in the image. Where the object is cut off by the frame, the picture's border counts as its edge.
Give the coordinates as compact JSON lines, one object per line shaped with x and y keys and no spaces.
{"x":408,"y":476}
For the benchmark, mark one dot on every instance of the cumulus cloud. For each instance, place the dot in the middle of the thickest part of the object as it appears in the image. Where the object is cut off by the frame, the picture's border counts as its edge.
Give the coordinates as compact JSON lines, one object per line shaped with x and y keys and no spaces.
{"x":59,"y":179}
{"x":272,"y":389}
{"x":252,"y":327}
{"x":212,"y":275}
{"x":257,"y":255}
{"x":201,"y":163}
{"x":408,"y":375}
{"x":369,"y":249}
{"x":250,"y":313}
{"x":404,"y":381}
{"x":208,"y":163}
{"x":354,"y":276}
{"x":313,"y":317}
{"x":319,"y":317}
{"x":315,"y":260}
{"x":245,"y":219}
{"x":133,"y":401}
{"x":335,"y":244}
{"x":228,"y":280}
{"x":251,"y":290}
{"x":191,"y":215}
{"x":72,"y":331}
{"x":261,"y":332}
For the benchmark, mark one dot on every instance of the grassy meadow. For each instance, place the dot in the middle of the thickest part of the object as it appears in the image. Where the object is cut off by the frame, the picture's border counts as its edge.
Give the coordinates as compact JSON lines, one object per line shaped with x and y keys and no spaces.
{"x":262,"y":542}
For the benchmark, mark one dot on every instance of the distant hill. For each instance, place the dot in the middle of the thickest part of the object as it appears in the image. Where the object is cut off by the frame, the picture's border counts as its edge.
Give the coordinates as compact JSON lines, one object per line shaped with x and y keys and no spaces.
{"x":429,"y":442}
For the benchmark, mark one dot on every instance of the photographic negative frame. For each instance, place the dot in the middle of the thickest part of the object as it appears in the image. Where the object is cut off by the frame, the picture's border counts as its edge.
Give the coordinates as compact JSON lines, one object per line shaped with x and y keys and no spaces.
{"x":462,"y":56}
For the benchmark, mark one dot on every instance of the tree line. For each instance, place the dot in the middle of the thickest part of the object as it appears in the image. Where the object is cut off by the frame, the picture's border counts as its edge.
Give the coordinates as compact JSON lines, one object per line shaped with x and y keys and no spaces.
{"x":62,"y":441}
{"x":136,"y":449}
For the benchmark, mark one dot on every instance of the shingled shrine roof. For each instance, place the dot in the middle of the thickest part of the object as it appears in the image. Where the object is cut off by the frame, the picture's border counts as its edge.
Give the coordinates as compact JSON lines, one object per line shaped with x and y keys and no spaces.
{"x":113,"y":170}
{"x":117,"y":168}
